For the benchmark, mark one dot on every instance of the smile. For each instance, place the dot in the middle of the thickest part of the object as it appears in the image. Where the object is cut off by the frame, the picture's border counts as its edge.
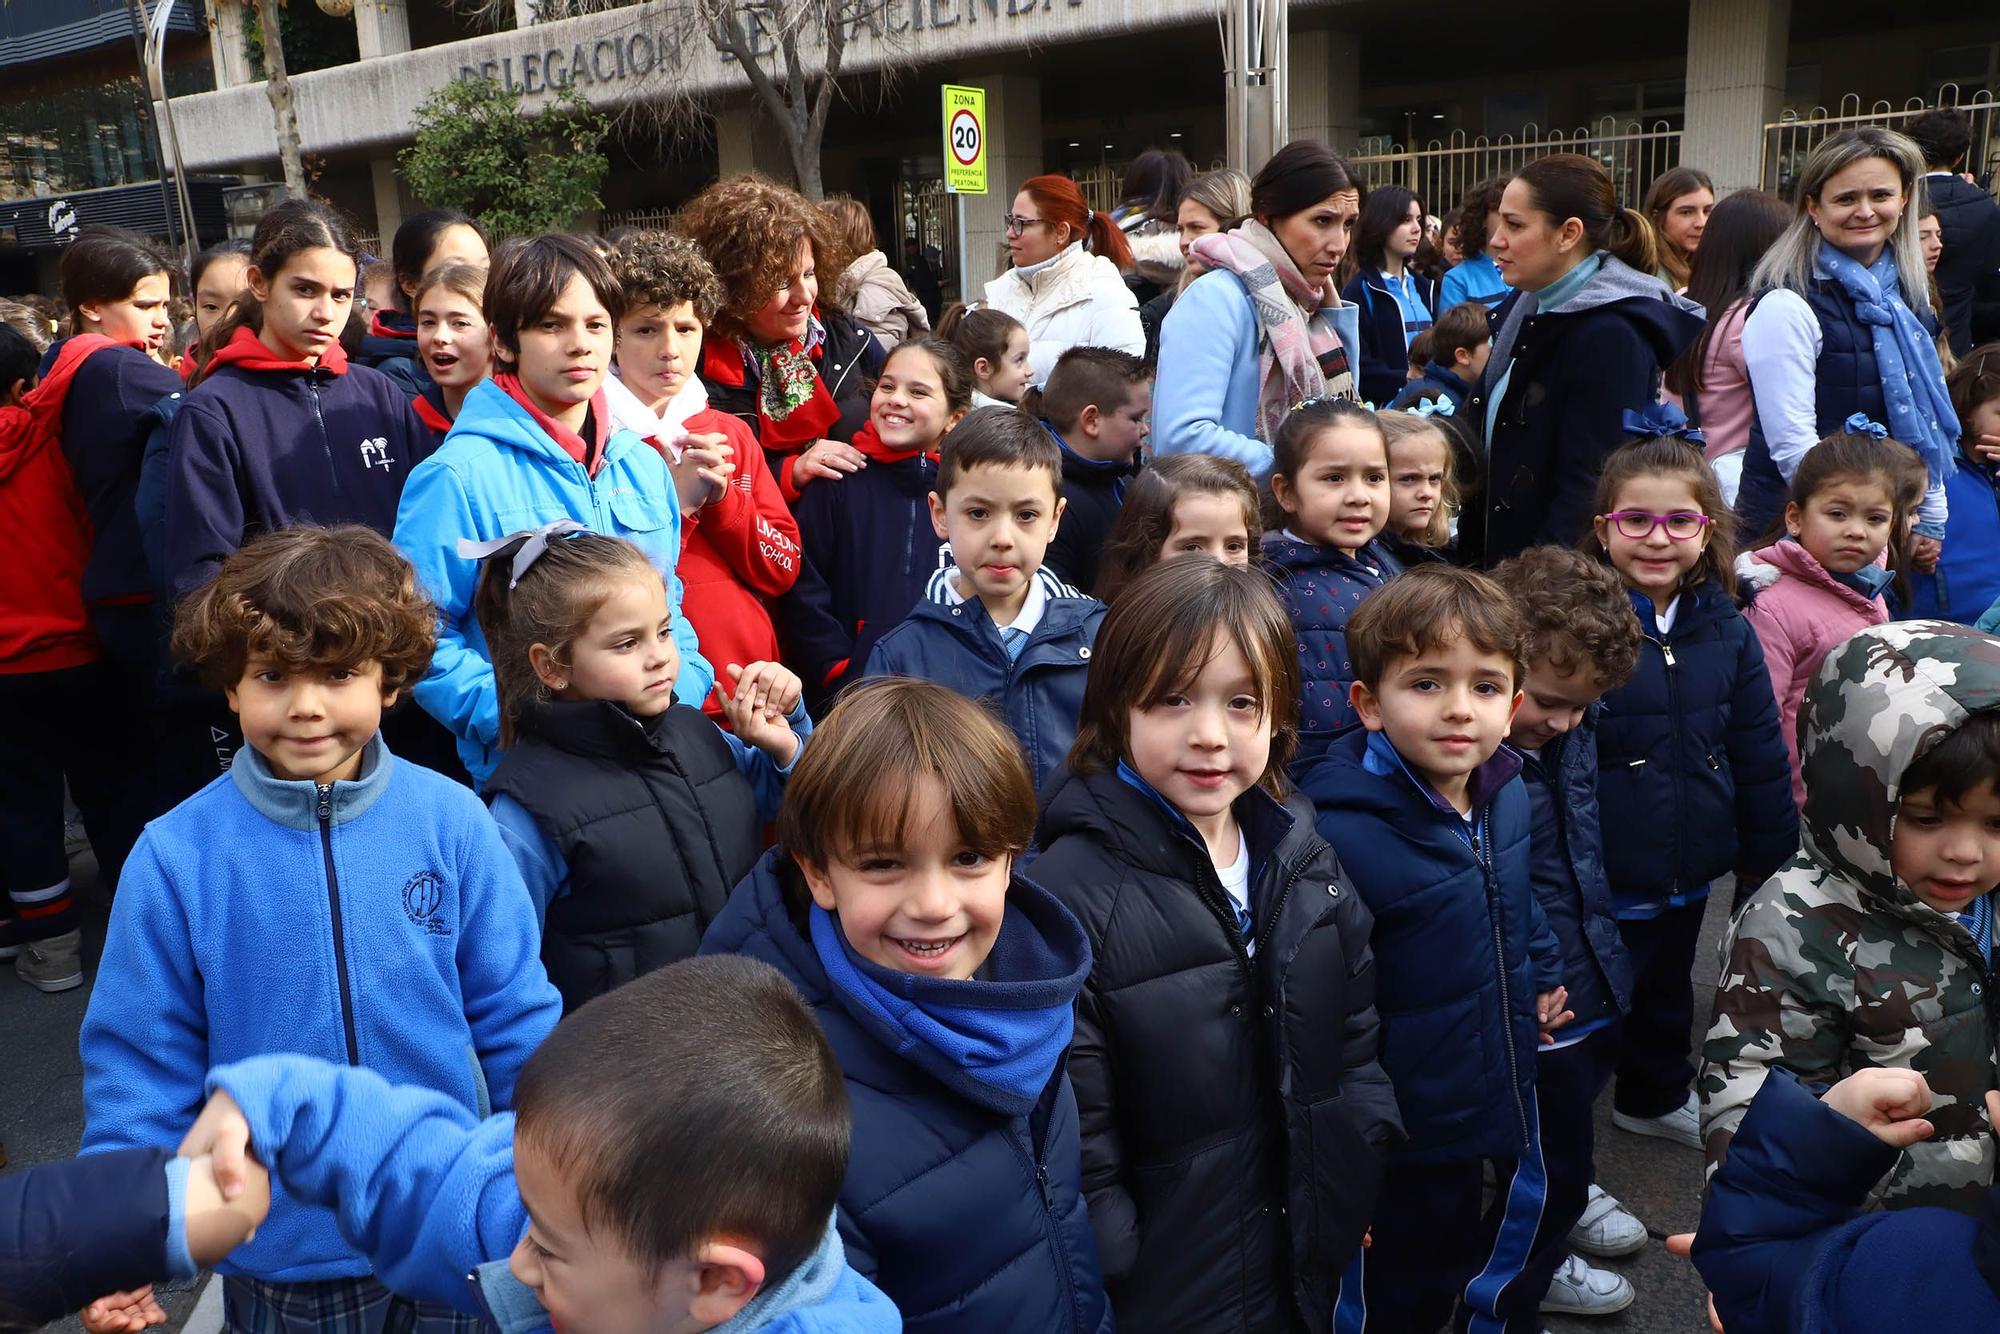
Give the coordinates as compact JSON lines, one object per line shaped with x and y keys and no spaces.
{"x":927,"y":952}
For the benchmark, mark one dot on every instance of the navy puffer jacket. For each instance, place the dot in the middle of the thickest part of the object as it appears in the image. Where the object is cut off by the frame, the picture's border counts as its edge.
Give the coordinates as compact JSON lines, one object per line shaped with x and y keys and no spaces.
{"x":1566,"y":859}
{"x":1321,"y":587}
{"x":78,"y":1228}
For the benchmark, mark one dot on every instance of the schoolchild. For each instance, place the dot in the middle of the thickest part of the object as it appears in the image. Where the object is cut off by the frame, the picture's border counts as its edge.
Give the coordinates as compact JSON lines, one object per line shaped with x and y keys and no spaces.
{"x":322,"y":897}
{"x":672,"y":1167}
{"x":1095,"y":404}
{"x":1330,"y":485}
{"x":1476,"y":277}
{"x":454,"y":345}
{"x":997,"y":624}
{"x":869,"y":544}
{"x":1423,"y":487}
{"x":995,"y":347}
{"x":533,"y":445}
{"x":1179,"y":505}
{"x":429,"y":241}
{"x":215,"y":283}
{"x":1397,"y":303}
{"x":630,"y":814}
{"x":946,"y":984}
{"x":1460,"y":343}
{"x":1235,"y":1118}
{"x":1690,"y":764}
{"x":1967,"y":578}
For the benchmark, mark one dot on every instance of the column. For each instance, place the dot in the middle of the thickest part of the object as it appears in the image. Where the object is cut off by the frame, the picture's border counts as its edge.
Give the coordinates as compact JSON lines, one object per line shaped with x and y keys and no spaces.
{"x":1323,"y":88}
{"x":747,"y":141}
{"x":389,"y":198}
{"x":225,"y":41}
{"x":1013,"y":154}
{"x":382,"y":27}
{"x":1735,"y":85}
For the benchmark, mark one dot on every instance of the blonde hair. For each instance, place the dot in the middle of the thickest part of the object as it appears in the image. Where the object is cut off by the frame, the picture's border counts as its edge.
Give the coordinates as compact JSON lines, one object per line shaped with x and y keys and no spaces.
{"x":1404,"y":427}
{"x":1789,"y":262}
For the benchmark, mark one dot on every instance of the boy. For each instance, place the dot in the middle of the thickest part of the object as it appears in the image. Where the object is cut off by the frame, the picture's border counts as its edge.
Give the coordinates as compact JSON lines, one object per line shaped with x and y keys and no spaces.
{"x":1461,"y":341}
{"x":1095,"y":404}
{"x":673,"y":1166}
{"x":995,"y":624}
{"x":1873,"y":946}
{"x":321,"y":897}
{"x":1426,"y":809}
{"x":1582,"y":640}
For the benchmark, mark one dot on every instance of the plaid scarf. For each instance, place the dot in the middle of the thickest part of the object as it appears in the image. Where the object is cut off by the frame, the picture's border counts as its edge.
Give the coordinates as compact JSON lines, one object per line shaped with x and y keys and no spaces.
{"x":1299,"y":354}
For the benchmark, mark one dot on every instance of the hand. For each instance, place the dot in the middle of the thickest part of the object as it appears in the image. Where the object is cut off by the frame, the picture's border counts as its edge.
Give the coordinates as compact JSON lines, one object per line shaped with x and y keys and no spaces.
{"x":826,"y":458}
{"x":123,"y":1312}
{"x":759,"y":707}
{"x":1987,"y":447}
{"x":214,"y":1228}
{"x":1682,"y":1244}
{"x":1889,"y":1104}
{"x":1551,"y":1014}
{"x":702,"y":476}
{"x":1924,"y":553}
{"x":222,"y":1133}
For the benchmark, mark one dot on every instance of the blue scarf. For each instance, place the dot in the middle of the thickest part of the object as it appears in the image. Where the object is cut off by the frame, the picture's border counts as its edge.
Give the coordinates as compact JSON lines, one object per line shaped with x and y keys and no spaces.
{"x":1868,"y":581}
{"x":1919,"y":410}
{"x":995,"y":1039}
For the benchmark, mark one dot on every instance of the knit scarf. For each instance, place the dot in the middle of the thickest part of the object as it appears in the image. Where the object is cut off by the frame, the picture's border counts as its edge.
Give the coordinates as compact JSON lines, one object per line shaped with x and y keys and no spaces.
{"x":1906,"y":360}
{"x":1299,"y":356}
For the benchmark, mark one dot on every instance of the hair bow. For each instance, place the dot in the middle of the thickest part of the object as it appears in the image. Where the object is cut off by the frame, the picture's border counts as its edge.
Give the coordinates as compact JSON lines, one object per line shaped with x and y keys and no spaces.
{"x":1661,"y":419}
{"x":537,"y":542}
{"x":1859,"y":424}
{"x":1432,"y":407}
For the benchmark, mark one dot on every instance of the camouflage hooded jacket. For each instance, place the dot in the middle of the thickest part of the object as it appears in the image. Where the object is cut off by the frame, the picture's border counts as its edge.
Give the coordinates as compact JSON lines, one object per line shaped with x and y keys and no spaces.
{"x":1834,"y":965}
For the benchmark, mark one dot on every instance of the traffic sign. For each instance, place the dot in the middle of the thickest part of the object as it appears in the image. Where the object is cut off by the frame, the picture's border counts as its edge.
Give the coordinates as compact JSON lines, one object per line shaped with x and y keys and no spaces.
{"x":964,"y":140}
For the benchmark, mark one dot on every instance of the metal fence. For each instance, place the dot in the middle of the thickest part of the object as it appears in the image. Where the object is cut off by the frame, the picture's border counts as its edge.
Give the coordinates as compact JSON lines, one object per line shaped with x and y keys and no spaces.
{"x":1789,"y":139}
{"x":641,"y":219}
{"x":925,"y":211}
{"x":1441,"y":171}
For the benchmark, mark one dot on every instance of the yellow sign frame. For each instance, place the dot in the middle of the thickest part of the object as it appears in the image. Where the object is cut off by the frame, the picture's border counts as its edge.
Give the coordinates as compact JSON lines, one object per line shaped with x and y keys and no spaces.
{"x":964,"y":140}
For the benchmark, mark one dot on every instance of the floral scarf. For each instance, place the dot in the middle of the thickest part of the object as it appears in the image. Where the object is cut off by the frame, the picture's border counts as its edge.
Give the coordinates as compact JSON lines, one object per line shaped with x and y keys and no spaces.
{"x":1299,"y":355}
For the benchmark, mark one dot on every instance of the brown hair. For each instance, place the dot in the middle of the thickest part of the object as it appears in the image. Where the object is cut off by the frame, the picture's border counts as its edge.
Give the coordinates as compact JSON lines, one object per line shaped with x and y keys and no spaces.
{"x":1974,"y":381}
{"x":1660,"y":196}
{"x":661,"y":269}
{"x":1162,"y":632}
{"x":27,"y":322}
{"x":1671,"y":456}
{"x":106,"y":264}
{"x":468,"y":280}
{"x":979,"y":332}
{"x":309,"y":597}
{"x":1890,"y":464}
{"x":750,"y":228}
{"x":997,"y":438}
{"x":1085,"y":377}
{"x":291,"y":227}
{"x":851,"y":224}
{"x":1062,"y":205}
{"x":1574,"y":613}
{"x":952,"y":372}
{"x":1465,"y":325}
{"x":1741,"y":229}
{"x":1473,"y":212}
{"x":1147,"y":518}
{"x":1429,"y":608}
{"x":1292,"y":447}
{"x":528,"y":277}
{"x":1569,"y":185}
{"x":1402,"y":427}
{"x":1299,"y":175}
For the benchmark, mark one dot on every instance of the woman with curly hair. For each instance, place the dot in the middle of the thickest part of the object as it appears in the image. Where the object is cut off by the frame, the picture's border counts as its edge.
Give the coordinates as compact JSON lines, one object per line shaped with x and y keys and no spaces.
{"x":789,"y":366}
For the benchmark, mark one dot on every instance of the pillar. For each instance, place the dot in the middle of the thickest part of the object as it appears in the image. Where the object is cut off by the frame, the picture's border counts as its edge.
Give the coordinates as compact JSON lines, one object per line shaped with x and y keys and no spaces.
{"x":382,"y":27}
{"x":1013,"y":154}
{"x":225,"y":41}
{"x":1735,"y":86}
{"x":1323,"y":88}
{"x":747,"y":141}
{"x":389,"y":199}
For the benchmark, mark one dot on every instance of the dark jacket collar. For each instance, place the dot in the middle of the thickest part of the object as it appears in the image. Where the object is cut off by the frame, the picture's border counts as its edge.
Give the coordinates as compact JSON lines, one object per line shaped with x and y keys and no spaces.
{"x":601,"y":729}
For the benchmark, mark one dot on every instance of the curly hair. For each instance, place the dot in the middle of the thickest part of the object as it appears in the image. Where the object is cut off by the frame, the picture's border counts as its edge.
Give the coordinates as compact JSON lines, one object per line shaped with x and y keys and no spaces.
{"x":661,"y":269}
{"x":1576,"y":612}
{"x":309,"y":597}
{"x":750,"y":228}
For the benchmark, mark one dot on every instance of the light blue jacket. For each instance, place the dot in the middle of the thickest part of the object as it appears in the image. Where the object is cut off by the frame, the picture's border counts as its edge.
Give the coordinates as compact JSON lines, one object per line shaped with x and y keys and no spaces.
{"x":1477,"y":279}
{"x":1205,"y":388}
{"x":498,"y":473}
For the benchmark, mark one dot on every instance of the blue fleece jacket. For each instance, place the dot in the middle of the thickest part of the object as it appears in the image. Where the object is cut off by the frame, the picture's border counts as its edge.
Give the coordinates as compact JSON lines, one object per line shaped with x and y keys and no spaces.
{"x":1967,"y":579}
{"x":498,"y":473}
{"x":425,"y":1190}
{"x":1477,"y":279}
{"x":380,"y":923}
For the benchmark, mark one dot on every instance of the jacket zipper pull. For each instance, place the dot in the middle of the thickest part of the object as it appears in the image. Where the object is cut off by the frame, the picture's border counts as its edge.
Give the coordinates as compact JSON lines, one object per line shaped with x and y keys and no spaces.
{"x":1667,"y":649}
{"x":1042,"y":1183}
{"x":325,"y":802}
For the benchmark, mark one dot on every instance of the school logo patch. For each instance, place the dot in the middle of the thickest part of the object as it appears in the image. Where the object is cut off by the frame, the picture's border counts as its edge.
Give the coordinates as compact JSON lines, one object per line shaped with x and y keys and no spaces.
{"x":423,"y":900}
{"x":375,"y":453}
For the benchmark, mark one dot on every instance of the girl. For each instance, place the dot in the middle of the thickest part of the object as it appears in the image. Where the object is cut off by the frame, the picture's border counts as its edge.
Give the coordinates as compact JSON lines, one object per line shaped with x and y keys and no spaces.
{"x":946,"y":984}
{"x":1689,"y":761}
{"x":428,"y":241}
{"x":1066,"y":283}
{"x":630,"y":814}
{"x":1180,"y":505}
{"x":1423,"y":491}
{"x":1930,"y":244}
{"x":1967,"y":578}
{"x":1475,"y":277}
{"x":995,"y":345}
{"x":1330,"y":483}
{"x":216,"y":279}
{"x":1825,"y":580}
{"x":869,"y":547}
{"x":1396,"y":303}
{"x":454,"y":345}
{"x":1678,"y":205}
{"x":1235,"y":1117}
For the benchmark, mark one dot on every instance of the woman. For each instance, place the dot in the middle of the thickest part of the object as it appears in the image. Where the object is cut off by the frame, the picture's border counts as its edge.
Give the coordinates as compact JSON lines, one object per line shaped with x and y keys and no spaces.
{"x":1266,"y":328}
{"x":793,"y":369}
{"x":1215,"y":201}
{"x":1930,"y":244}
{"x":1396,"y":302}
{"x":1066,"y":284}
{"x":1840,"y":323}
{"x":1154,"y":184}
{"x":1474,"y":276}
{"x":1678,"y":205}
{"x":1710,"y":378}
{"x":1582,"y":340}
{"x":870,"y":289}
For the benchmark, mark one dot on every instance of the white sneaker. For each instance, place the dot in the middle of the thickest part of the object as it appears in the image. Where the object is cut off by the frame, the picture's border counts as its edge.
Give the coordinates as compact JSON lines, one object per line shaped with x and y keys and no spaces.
{"x":1577,"y":1289}
{"x":1682,"y":1125}
{"x":1607,"y":1228}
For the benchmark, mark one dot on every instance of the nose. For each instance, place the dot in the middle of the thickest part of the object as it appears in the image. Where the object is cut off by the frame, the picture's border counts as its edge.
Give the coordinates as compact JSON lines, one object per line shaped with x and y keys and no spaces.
{"x":1207,"y":729}
{"x":1561,"y":721}
{"x":306,"y":700}
{"x":931,"y":897}
{"x":1962,"y":844}
{"x":1458,"y":703}
{"x":524,"y":1265}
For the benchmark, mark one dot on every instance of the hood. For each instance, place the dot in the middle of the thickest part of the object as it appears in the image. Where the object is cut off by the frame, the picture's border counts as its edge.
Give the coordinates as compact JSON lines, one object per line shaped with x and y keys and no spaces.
{"x":246,"y":350}
{"x":1669,"y":321}
{"x":1879,"y":702}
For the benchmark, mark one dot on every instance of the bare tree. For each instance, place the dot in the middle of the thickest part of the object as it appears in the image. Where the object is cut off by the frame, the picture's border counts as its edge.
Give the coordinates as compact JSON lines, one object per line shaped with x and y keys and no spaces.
{"x":278,"y":88}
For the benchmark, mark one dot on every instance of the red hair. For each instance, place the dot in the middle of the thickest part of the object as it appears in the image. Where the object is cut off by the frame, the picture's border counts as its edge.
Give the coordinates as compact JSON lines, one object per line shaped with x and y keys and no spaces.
{"x":1061,"y":204}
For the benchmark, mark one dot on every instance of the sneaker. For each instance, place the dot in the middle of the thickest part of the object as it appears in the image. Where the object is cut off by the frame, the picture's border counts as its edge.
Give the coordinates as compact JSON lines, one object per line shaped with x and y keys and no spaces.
{"x":1577,"y":1289}
{"x":1682,"y":1125}
{"x":55,"y":964}
{"x":1607,"y":1228}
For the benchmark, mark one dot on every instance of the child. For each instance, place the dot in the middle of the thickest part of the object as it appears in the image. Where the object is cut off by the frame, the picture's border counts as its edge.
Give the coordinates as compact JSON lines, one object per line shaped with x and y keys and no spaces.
{"x":1330,"y":480}
{"x":995,"y":347}
{"x":673,"y":1166}
{"x":1181,"y":505}
{"x":216,"y":280}
{"x":1690,"y":766}
{"x":534,"y":444}
{"x":945,"y":983}
{"x":454,"y":346}
{"x":1582,"y":640}
{"x":998,"y":624}
{"x":1423,"y":491}
{"x":1235,"y":1117}
{"x":321,"y":897}
{"x":1396,"y":302}
{"x":1873,"y":946}
{"x":742,"y":545}
{"x":869,"y":549}
{"x":1824,"y":580}
{"x":1460,"y":343}
{"x":425,"y":243}
{"x":1095,"y":405}
{"x":630,"y":814}
{"x":1967,"y":578}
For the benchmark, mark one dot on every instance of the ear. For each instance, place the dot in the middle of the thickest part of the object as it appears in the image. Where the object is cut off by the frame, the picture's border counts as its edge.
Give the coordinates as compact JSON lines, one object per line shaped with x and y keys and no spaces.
{"x":957,"y":417}
{"x":259,"y":285}
{"x":548,"y":669}
{"x":17,"y":391}
{"x":1091,"y":422}
{"x":724,"y":1279}
{"x":982,"y":369}
{"x":937,"y":516}
{"x":1055,"y":515}
{"x":92,"y":311}
{"x":818,"y":883}
{"x":1368,"y":708}
{"x":229,"y":693}
{"x":1281,"y":491}
{"x":1570,"y":234}
{"x":1602,"y":527}
{"x":1794,"y":519}
{"x":389,"y":698}
{"x":1515,"y":707}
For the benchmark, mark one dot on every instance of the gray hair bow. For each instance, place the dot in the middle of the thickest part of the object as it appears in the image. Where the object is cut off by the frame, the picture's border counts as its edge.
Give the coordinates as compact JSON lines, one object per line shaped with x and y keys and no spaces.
{"x":531,"y":550}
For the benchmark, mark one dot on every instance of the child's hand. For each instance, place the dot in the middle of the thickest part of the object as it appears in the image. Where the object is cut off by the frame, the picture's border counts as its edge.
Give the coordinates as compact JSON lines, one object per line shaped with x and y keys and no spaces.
{"x":214,"y":1228}
{"x":123,"y":1312}
{"x":1988,"y":448}
{"x":702,"y":475}
{"x":1924,"y":553}
{"x":221,"y":1133}
{"x":1682,"y":1244}
{"x":1551,"y":1014}
{"x":1889,"y":1104}
{"x":826,"y":458}
{"x":759,"y":705}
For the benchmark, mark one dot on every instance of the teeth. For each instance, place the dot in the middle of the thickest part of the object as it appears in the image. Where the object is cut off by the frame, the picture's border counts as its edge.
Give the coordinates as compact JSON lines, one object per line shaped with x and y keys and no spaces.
{"x":925,"y":947}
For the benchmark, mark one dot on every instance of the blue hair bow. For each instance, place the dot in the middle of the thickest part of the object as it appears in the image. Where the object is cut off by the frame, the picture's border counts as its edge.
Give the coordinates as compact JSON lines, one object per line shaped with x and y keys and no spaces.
{"x":531,"y":550}
{"x":1435,"y":407}
{"x":1859,"y":424}
{"x":1661,"y":419}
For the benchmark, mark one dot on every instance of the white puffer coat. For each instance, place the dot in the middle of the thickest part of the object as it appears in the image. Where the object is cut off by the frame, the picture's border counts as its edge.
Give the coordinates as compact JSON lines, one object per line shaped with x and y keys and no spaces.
{"x":1076,"y":299}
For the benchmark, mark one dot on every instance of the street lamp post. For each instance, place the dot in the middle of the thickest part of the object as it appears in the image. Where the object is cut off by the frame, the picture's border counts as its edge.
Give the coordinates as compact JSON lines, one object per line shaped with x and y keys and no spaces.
{"x":1256,"y":56}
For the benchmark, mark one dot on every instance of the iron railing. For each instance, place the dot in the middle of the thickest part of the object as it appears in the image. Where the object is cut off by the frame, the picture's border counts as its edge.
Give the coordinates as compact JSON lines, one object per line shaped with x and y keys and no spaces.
{"x":1442,"y":171}
{"x":1789,"y":139}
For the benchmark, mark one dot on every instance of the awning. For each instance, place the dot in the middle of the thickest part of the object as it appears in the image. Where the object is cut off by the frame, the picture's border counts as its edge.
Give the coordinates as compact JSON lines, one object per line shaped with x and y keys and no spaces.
{"x":49,"y":222}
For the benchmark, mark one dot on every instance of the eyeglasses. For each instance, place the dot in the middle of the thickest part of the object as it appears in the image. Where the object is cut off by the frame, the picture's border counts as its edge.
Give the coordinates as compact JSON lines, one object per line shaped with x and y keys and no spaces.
{"x":1016,"y":224}
{"x":1638,"y":525}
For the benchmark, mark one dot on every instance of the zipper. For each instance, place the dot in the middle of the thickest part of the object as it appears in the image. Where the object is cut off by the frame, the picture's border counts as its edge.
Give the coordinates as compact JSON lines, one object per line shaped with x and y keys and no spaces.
{"x":325,"y":813}
{"x":1674,"y":714}
{"x":1033,"y":1156}
{"x":1483,"y":853}
{"x":1285,"y":892}
{"x":319,"y":418}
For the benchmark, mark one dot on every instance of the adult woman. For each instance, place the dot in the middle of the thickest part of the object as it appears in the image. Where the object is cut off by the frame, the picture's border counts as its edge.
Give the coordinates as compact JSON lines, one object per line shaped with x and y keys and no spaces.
{"x":1154,"y":184}
{"x":1266,"y":328}
{"x":1710,"y":378}
{"x":1396,"y":303}
{"x":1066,"y":284}
{"x":430,"y":240}
{"x":870,"y":289}
{"x":1582,"y":340}
{"x":1840,"y":323}
{"x":793,"y":369}
{"x":1678,"y":205}
{"x":1213,"y":202}
{"x":1475,"y":277}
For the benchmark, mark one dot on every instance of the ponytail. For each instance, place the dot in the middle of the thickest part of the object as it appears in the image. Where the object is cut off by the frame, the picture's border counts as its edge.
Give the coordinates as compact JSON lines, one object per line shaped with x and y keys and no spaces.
{"x":1031,"y":402}
{"x":1570,"y":185}
{"x":1631,"y":240}
{"x":1062,"y":205}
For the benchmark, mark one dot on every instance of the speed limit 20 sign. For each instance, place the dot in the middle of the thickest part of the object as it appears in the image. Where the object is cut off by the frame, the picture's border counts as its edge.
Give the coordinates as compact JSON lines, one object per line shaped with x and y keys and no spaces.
{"x":964,"y":140}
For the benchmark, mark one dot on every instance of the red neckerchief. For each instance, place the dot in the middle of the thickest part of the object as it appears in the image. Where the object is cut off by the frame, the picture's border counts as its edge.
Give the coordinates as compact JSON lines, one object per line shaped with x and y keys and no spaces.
{"x":381,"y":330}
{"x":869,"y":443}
{"x":247,"y":350}
{"x":589,"y":453}
{"x":723,"y":362}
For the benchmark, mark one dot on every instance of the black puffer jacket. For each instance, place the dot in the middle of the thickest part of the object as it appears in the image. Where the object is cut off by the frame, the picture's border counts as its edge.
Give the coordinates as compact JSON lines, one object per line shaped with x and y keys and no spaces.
{"x":1235,"y":1118}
